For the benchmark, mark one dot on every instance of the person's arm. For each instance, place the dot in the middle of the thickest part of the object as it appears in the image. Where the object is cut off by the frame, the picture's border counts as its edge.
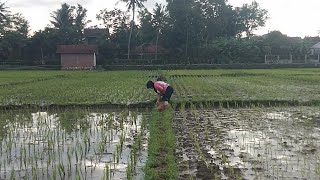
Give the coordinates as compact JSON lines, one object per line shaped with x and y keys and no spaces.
{"x":158,"y":98}
{"x":160,"y":89}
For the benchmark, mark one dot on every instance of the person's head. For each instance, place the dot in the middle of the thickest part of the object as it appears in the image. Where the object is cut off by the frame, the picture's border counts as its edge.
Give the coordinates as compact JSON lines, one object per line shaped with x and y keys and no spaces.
{"x":150,"y":84}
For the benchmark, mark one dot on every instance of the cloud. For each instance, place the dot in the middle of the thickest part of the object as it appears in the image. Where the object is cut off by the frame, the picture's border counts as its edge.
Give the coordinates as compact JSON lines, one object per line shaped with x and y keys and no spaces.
{"x":37,"y":12}
{"x":151,"y":3}
{"x":43,"y":3}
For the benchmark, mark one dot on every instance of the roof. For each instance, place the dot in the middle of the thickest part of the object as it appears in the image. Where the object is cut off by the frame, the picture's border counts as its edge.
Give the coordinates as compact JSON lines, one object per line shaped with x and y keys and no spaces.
{"x":149,"y":49}
{"x":316,"y":46}
{"x":77,"y":49}
{"x":96,"y":32}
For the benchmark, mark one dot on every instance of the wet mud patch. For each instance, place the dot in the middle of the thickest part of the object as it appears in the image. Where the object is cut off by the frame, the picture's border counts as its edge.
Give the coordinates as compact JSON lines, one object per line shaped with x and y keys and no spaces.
{"x":259,"y":143}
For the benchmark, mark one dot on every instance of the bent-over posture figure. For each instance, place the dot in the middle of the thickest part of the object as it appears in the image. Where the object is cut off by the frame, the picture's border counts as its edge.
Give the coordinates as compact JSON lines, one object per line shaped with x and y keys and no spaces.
{"x":164,"y":92}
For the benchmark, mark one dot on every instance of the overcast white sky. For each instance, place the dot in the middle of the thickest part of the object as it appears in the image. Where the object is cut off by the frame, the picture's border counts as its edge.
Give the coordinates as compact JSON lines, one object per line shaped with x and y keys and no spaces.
{"x":291,"y":17}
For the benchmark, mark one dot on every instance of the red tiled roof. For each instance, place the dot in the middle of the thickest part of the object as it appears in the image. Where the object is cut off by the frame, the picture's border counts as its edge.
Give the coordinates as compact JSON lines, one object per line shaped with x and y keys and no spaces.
{"x":77,"y":49}
{"x":149,"y":49}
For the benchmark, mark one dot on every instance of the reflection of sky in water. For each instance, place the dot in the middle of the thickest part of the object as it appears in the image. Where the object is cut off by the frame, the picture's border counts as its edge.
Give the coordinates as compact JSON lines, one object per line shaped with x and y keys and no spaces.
{"x":43,"y":138}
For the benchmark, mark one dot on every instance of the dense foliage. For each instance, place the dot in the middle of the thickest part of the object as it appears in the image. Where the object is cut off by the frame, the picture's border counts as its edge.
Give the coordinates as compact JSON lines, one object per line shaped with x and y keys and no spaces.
{"x":188,"y":30}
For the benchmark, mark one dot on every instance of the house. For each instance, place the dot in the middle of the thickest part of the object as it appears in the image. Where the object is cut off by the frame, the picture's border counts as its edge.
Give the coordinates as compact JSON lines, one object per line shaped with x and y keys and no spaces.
{"x":77,"y":56}
{"x":92,"y":35}
{"x":315,"y":49}
{"x":149,"y":50}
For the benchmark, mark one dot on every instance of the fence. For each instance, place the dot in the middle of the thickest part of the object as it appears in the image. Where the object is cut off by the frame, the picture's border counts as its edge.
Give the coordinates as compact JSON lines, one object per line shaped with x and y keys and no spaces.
{"x":312,"y":59}
{"x":278,"y":59}
{"x":290,"y":59}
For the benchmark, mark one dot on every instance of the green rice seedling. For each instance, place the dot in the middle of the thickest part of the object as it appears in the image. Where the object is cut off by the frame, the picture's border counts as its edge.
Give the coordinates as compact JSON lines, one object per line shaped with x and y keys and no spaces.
{"x":34,"y":173}
{"x":134,"y":153}
{"x":61,"y":170}
{"x":206,"y":132}
{"x":12,"y":176}
{"x":20,"y":157}
{"x":317,"y":169}
{"x":5,"y":167}
{"x":69,"y":158}
{"x":131,"y":162}
{"x":77,"y":157}
{"x":105,"y":172}
{"x":78,"y":176}
{"x":129,"y":171}
{"x":118,"y":153}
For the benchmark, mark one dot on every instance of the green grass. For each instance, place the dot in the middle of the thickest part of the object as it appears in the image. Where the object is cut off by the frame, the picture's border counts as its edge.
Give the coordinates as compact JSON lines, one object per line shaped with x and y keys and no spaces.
{"x":161,"y":163}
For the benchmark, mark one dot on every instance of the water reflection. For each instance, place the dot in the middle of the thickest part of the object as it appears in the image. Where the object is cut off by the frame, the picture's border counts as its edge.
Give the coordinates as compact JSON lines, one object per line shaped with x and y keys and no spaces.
{"x":72,"y":144}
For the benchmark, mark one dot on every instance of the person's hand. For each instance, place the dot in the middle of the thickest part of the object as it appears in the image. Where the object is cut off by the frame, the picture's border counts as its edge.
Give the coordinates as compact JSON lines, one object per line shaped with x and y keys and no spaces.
{"x":161,"y":108}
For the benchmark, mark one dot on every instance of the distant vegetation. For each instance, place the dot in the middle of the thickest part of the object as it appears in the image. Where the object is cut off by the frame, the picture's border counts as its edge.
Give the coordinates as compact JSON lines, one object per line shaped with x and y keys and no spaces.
{"x":192,"y":30}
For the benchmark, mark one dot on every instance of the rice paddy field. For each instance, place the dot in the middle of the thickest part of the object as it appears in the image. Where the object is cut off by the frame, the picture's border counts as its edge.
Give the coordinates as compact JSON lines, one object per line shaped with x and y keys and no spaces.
{"x":223,"y":124}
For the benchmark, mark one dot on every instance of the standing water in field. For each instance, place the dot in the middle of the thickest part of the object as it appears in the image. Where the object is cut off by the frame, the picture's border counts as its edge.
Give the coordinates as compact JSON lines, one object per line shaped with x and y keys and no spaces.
{"x":269,"y":143}
{"x":74,"y":144}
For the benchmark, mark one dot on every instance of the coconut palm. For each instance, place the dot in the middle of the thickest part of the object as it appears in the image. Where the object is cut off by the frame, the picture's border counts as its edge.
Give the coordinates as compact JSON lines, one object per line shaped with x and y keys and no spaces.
{"x":131,"y":5}
{"x":69,"y":22}
{"x":3,"y":11}
{"x":63,"y":18}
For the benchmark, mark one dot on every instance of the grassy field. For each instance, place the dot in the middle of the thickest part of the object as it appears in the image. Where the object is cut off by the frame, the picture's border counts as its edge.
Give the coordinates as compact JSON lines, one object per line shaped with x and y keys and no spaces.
{"x":194,"y":140}
{"x":126,"y":87}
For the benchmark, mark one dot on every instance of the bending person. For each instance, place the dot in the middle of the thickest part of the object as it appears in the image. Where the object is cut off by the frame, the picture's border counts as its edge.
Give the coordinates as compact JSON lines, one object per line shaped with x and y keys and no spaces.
{"x":164,"y":92}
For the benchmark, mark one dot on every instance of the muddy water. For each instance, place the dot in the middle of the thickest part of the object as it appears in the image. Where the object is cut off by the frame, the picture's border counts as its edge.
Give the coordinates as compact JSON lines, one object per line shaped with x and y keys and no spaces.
{"x":75,"y":144}
{"x":269,"y":143}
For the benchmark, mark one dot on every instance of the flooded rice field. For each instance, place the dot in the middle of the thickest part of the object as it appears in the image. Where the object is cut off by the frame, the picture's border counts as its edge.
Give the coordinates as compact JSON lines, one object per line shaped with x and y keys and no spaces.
{"x":258,"y":143}
{"x":73,"y":144}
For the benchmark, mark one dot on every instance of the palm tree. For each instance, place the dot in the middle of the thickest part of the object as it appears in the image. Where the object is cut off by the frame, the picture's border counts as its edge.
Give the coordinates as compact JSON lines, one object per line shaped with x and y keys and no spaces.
{"x":3,"y":11}
{"x":69,"y":22}
{"x":132,"y":4}
{"x":63,"y":18}
{"x":159,"y":15}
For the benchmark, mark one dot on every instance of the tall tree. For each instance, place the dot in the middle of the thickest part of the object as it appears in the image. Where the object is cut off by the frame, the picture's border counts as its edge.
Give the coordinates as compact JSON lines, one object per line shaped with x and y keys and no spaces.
{"x":159,"y":19}
{"x":63,"y":18}
{"x":251,"y":17}
{"x":43,"y":44}
{"x":115,"y":20}
{"x":218,"y":19}
{"x":146,"y":31}
{"x":118,"y":22}
{"x":131,"y":5}
{"x":3,"y":11}
{"x":185,"y":24}
{"x":14,"y":37}
{"x":69,"y":22}
{"x":4,"y":18}
{"x":80,"y":19}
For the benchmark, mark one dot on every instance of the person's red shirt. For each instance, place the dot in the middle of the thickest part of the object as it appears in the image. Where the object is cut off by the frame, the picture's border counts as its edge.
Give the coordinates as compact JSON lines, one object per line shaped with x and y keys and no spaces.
{"x":160,"y":86}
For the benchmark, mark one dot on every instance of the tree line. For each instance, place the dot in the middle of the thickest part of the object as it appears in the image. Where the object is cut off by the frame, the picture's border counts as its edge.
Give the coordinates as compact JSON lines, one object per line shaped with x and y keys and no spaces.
{"x":189,"y":31}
